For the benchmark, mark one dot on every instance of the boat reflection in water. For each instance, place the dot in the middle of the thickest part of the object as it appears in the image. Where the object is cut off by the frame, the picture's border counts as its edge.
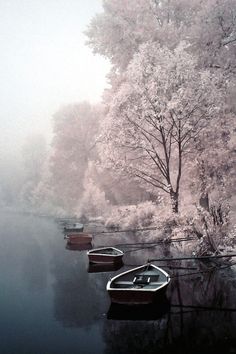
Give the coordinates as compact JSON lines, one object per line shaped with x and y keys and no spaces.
{"x":103,"y":267}
{"x":79,"y":247}
{"x":149,"y":312}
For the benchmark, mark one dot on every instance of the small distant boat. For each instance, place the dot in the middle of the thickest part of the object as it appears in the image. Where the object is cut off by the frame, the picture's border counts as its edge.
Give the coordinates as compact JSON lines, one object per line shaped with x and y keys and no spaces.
{"x":141,"y":285}
{"x":78,"y":238}
{"x":105,"y":255}
{"x":76,"y":227}
{"x":66,"y":220}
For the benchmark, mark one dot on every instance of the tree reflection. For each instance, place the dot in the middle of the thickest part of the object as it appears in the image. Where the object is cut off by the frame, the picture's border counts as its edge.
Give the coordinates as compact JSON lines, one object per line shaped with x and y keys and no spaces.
{"x":202,"y":320}
{"x":78,"y":296}
{"x":34,"y":267}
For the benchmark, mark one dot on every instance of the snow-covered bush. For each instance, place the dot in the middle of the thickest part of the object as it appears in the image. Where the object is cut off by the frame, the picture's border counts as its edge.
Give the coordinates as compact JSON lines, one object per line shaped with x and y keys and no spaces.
{"x":93,"y":202}
{"x":175,"y":225}
{"x":132,"y":216}
{"x":214,"y":229}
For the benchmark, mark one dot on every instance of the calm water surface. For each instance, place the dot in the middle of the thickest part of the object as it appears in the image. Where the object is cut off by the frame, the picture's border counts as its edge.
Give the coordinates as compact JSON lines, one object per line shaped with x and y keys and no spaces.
{"x":52,"y":302}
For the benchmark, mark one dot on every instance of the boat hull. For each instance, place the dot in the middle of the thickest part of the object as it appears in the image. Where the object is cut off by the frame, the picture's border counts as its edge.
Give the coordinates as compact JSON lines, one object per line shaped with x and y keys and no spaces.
{"x":108,"y":259}
{"x":78,"y":238}
{"x":136,"y":297}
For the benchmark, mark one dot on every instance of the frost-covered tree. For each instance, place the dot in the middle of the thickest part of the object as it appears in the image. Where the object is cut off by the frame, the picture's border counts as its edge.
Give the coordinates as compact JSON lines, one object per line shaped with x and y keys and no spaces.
{"x":209,"y":25}
{"x":213,"y":35}
{"x":12,"y":179}
{"x":156,"y":116}
{"x":120,"y":29}
{"x":75,"y":129}
{"x":34,"y":155}
{"x":124,"y":25}
{"x":93,"y":202}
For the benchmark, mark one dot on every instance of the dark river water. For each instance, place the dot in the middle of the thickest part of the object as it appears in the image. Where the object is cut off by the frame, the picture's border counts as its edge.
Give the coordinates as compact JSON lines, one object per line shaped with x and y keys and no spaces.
{"x":52,"y":302}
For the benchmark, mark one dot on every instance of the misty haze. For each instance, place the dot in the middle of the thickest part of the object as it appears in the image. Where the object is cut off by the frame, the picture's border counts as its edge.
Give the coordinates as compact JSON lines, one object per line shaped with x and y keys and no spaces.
{"x":118,"y":141}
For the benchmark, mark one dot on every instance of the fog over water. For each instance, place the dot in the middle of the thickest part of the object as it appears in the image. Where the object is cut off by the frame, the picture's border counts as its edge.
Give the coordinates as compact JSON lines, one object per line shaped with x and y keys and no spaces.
{"x":44,"y":64}
{"x":51,"y":301}
{"x":138,"y":144}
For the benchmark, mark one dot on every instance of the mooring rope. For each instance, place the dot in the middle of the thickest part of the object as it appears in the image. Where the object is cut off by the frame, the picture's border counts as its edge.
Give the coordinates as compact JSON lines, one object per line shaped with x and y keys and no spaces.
{"x":204,"y":308}
{"x":146,"y":245}
{"x":125,"y":230}
{"x":161,"y":241}
{"x":192,"y":258}
{"x":192,"y":273}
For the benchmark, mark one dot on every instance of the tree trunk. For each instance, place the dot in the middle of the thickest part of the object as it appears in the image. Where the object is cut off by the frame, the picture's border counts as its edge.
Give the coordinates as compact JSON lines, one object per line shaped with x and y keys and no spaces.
{"x":204,"y":198}
{"x":204,"y":201}
{"x":174,"y":199}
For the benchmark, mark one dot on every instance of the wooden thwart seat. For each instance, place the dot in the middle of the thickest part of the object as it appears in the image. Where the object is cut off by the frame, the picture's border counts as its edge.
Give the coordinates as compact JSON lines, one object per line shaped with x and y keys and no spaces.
{"x":141,"y":280}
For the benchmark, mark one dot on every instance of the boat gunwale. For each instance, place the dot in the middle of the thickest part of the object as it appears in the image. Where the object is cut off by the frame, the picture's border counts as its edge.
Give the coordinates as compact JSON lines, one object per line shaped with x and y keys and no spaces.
{"x":68,"y":236}
{"x":78,"y":239}
{"x":75,"y":226}
{"x":93,"y":252}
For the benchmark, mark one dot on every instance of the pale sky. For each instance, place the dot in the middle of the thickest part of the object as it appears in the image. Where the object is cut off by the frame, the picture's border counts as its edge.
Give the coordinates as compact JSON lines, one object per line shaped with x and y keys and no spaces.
{"x":44,"y":64}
